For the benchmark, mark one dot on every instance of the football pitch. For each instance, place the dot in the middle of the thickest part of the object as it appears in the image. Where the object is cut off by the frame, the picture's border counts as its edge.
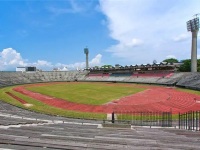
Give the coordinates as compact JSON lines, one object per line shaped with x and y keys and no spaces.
{"x":87,"y":93}
{"x":81,"y":92}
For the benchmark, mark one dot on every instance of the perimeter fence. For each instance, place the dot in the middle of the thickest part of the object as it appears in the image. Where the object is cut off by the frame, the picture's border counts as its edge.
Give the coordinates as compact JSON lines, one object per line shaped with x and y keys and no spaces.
{"x":163,"y":119}
{"x":190,"y":120}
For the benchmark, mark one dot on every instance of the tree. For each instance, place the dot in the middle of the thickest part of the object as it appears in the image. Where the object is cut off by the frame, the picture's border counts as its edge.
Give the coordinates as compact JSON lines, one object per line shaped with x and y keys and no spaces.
{"x":96,"y":67}
{"x":171,"y":60}
{"x":198,"y":65}
{"x":107,"y":66}
{"x":186,"y":67}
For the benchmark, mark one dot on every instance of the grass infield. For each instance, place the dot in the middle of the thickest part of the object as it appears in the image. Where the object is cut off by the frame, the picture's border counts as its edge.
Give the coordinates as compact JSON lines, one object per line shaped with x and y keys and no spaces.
{"x":87,"y":93}
{"x":40,"y":107}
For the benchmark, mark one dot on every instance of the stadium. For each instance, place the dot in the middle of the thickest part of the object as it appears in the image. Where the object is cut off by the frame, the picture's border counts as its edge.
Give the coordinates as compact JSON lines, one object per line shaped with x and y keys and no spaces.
{"x":148,"y":106}
{"x":141,"y":107}
{"x":105,"y":108}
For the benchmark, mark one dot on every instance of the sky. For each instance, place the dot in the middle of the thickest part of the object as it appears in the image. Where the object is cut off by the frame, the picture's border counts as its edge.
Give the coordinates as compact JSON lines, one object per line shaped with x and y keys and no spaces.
{"x":53,"y":34}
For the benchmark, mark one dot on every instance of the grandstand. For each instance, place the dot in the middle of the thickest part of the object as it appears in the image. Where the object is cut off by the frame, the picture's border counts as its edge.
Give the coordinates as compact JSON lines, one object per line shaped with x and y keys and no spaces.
{"x":188,"y":80}
{"x":158,"y":73}
{"x":191,"y":80}
{"x":22,"y":129}
{"x":15,"y":78}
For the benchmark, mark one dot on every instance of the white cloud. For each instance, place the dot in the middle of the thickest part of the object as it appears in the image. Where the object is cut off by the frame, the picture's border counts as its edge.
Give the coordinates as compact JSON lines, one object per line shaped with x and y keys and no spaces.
{"x":76,"y":65}
{"x":171,"y":56}
{"x":181,"y":37}
{"x":144,"y":29}
{"x":42,"y":63}
{"x":10,"y":59}
{"x":74,"y":8}
{"x":96,"y":61}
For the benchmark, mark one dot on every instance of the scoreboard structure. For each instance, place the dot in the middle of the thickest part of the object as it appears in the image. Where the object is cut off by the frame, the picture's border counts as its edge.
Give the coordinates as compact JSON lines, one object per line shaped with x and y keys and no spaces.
{"x":30,"y":68}
{"x":26,"y":69}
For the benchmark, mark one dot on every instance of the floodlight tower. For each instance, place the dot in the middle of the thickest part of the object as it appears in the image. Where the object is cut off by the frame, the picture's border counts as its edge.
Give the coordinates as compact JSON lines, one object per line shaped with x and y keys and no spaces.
{"x":193,"y":26}
{"x":86,"y":52}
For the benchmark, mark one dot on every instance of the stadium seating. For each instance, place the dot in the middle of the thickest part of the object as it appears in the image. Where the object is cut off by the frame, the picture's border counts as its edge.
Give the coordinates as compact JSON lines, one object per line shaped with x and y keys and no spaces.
{"x":14,"y":78}
{"x":191,"y":80}
{"x":188,"y":80}
{"x":22,"y":129}
{"x":98,"y":75}
{"x":153,"y":74}
{"x":121,"y":74}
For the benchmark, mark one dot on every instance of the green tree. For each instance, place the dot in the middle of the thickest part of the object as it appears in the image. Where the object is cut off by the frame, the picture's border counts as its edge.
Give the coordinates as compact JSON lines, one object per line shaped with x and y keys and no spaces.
{"x":171,"y":60}
{"x":198,"y":65}
{"x":107,"y":66}
{"x":186,"y":67}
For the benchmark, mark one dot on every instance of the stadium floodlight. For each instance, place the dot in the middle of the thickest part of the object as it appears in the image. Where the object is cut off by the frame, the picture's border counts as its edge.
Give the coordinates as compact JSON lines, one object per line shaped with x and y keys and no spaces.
{"x":193,"y":26}
{"x":86,"y":52}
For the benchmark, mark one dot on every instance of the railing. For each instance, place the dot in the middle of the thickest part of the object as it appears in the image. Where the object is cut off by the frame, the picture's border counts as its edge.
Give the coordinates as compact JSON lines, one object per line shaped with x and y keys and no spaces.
{"x":190,"y":120}
{"x":163,"y":119}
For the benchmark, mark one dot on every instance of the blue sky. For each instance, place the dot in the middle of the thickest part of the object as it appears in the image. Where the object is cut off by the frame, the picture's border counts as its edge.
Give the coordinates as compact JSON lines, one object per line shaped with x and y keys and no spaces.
{"x":50,"y":34}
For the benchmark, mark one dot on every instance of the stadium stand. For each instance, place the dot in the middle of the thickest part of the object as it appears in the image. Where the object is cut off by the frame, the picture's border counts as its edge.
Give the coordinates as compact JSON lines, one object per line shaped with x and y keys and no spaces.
{"x":22,"y":129}
{"x":191,"y":80}
{"x":187,"y":80}
{"x":14,"y":78}
{"x":160,"y":73}
{"x":168,"y":79}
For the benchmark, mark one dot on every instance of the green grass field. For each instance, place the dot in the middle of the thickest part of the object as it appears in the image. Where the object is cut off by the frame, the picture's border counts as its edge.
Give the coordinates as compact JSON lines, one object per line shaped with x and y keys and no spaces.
{"x":42,"y":108}
{"x":87,"y":93}
{"x":189,"y":91}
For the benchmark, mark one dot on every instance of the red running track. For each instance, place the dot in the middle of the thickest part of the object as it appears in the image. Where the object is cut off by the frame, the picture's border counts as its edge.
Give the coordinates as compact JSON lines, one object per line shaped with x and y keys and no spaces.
{"x":17,"y":98}
{"x":153,"y":99}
